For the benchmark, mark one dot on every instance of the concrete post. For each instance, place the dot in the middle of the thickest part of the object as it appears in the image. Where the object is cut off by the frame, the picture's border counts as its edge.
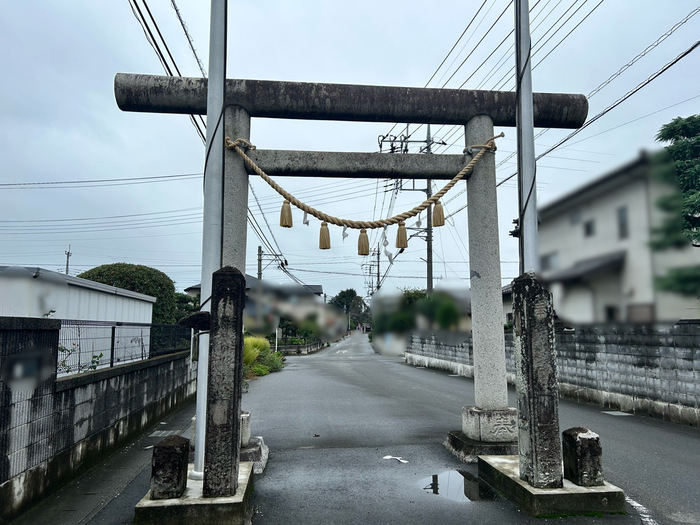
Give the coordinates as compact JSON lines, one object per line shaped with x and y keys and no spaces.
{"x":235,"y":200}
{"x":491,"y":420}
{"x":536,"y":384}
{"x":223,"y":436}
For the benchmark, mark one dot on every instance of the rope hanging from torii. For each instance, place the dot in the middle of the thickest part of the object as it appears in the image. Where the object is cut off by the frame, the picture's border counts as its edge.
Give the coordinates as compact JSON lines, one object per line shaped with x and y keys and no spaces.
{"x":363,"y":226}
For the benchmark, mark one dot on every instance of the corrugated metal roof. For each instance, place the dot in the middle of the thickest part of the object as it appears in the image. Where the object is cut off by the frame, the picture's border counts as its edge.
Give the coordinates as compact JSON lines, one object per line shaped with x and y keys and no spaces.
{"x":49,"y":275}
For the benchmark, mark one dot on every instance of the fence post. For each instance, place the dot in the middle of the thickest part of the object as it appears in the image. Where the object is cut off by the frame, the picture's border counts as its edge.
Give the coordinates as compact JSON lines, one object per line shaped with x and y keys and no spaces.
{"x":111,"y":348}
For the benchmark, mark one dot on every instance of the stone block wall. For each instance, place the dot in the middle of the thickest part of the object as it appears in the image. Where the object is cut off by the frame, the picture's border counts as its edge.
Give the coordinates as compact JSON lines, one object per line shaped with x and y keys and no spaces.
{"x":646,"y":369}
{"x":51,"y":432}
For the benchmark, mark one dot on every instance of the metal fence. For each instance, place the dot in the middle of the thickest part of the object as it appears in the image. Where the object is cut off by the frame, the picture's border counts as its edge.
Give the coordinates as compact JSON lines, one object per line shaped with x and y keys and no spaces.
{"x":90,"y":345}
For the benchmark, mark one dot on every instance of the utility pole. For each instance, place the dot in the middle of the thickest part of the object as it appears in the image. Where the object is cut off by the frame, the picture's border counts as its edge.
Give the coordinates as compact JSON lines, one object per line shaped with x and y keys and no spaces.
{"x":260,"y":263}
{"x":213,"y":208}
{"x":527,"y":192}
{"x":403,"y":141}
{"x":68,"y":254}
{"x":429,"y":232}
{"x":378,"y":254}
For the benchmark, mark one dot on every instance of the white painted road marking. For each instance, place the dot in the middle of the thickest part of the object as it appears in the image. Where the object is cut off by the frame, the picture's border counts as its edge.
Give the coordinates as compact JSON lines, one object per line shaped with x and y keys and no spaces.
{"x":644,"y":513}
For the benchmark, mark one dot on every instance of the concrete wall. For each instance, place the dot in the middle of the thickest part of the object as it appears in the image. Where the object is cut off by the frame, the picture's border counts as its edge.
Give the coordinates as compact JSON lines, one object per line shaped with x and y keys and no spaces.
{"x":58,"y":427}
{"x":648,"y":370}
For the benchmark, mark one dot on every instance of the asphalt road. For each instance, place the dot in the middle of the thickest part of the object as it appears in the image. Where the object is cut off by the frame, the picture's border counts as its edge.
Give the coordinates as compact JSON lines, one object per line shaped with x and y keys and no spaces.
{"x":329,"y":420}
{"x":331,"y":417}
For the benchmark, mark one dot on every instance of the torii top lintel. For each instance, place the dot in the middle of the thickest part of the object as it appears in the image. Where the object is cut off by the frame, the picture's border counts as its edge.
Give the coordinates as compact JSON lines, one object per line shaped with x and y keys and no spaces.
{"x":349,"y":102}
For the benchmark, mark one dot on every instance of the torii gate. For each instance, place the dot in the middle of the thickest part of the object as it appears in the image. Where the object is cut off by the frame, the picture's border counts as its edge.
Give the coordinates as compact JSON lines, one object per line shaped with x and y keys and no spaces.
{"x":491,"y":421}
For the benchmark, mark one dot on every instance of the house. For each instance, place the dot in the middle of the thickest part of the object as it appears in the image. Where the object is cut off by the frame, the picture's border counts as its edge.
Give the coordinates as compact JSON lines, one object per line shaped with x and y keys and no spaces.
{"x":595,"y":256}
{"x":266,"y":302}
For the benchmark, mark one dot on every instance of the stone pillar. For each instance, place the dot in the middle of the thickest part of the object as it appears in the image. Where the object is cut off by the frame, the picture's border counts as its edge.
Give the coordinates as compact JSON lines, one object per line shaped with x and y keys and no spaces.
{"x":223,"y":430}
{"x":583,"y":457}
{"x":537,"y":389}
{"x":169,"y":467}
{"x":491,"y":419}
{"x":235,"y":209}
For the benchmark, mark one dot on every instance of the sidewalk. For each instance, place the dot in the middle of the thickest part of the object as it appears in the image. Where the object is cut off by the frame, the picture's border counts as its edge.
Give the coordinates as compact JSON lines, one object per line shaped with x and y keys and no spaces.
{"x":108,"y":492}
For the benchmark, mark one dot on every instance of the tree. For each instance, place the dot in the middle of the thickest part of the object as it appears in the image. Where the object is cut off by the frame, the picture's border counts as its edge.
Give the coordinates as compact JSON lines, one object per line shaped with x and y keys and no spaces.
{"x":684,"y":148}
{"x":185,"y":305}
{"x":682,"y":206}
{"x":348,"y":301}
{"x":141,"y":279}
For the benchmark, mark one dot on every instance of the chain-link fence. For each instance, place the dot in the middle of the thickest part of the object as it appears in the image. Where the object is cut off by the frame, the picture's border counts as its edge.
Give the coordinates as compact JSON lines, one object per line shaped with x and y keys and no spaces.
{"x":89,"y":345}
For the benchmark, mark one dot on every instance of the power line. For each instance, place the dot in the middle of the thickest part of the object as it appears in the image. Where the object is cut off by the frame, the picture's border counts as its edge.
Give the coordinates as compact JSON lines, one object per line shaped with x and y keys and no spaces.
{"x":622,"y":69}
{"x":189,"y":39}
{"x":615,"y":104}
{"x":478,"y":43}
{"x":634,"y":120}
{"x":455,"y":44}
{"x":138,"y":14}
{"x":105,"y":217}
{"x":84,"y":183}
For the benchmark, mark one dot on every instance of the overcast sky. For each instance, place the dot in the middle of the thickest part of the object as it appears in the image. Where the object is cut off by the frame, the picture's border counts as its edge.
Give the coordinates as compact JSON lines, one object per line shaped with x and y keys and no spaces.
{"x":59,"y":121}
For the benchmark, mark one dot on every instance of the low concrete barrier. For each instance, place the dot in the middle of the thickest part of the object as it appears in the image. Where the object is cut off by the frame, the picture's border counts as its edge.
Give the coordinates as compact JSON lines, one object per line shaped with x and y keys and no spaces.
{"x":55,"y":428}
{"x":652,"y":370}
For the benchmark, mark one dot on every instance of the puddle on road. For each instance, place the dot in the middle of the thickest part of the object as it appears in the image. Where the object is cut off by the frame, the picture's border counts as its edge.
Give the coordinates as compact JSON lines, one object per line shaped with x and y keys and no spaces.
{"x":457,"y":485}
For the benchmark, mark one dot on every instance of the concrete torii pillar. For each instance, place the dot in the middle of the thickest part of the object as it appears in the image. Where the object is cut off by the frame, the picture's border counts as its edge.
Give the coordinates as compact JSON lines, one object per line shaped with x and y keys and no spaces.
{"x":490,"y":426}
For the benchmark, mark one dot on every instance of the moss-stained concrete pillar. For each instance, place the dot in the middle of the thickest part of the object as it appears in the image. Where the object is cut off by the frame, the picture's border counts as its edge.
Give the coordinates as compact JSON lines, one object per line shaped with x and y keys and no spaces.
{"x":537,"y":388}
{"x":223,"y":428}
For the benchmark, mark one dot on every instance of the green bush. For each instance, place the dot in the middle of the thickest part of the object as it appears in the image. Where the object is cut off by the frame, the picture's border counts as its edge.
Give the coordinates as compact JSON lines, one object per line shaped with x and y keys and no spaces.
{"x":258,"y":360}
{"x":274,"y":361}
{"x":259,"y":369}
{"x":260,"y":343}
{"x":252,"y":346}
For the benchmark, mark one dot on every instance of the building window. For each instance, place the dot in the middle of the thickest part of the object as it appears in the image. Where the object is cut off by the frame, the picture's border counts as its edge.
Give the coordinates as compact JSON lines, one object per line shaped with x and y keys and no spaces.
{"x":549,"y":261}
{"x":611,"y":314}
{"x":589,"y":228}
{"x":623,"y":229}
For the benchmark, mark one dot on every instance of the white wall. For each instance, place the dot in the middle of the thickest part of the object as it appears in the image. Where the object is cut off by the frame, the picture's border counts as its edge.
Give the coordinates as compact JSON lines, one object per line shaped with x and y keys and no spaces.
{"x":28,"y":293}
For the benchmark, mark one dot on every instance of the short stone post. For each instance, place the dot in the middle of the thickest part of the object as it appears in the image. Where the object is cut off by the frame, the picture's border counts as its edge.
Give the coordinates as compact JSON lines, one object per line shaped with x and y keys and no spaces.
{"x":223,"y":430}
{"x":537,"y":389}
{"x":583,"y":457}
{"x":169,"y":467}
{"x":245,"y":428}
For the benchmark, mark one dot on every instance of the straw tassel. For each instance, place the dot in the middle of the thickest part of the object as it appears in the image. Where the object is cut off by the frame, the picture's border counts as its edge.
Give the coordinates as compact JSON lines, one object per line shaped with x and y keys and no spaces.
{"x":401,"y":240}
{"x":324,"y":240}
{"x":438,"y":215}
{"x":363,"y":243}
{"x":286,"y":215}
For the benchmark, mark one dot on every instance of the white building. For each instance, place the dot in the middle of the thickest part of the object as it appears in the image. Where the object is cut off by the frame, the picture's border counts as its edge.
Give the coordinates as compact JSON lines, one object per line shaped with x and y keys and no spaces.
{"x":595,"y":254}
{"x":36,"y":292}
